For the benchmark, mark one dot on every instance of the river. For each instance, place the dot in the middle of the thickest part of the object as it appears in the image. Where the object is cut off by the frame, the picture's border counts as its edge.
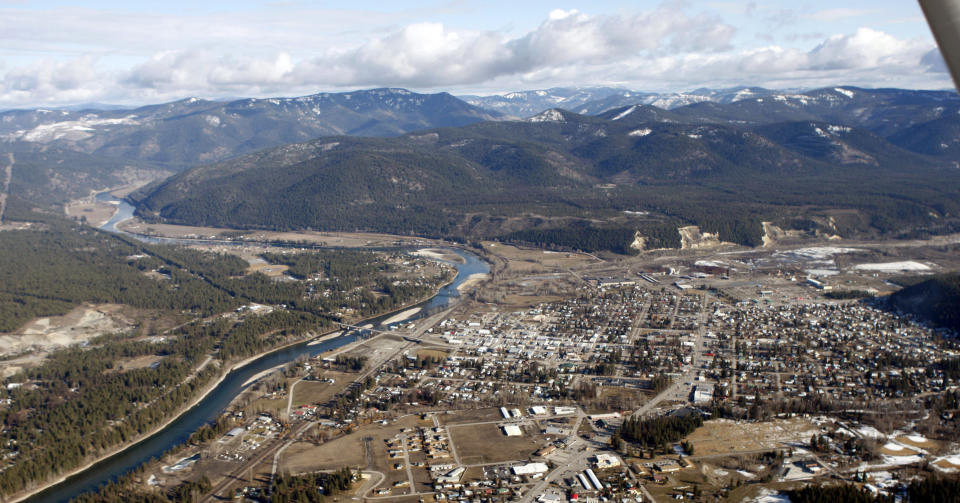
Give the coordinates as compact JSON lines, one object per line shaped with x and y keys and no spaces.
{"x":210,"y":408}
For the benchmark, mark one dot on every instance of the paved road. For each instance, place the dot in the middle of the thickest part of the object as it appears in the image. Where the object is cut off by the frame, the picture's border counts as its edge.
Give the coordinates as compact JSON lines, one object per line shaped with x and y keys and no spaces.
{"x":276,"y":448}
{"x":576,"y":458}
{"x":681,"y":389}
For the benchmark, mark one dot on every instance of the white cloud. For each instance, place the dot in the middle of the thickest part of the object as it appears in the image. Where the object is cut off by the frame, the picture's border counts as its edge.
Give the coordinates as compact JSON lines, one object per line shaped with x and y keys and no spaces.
{"x":75,"y":81}
{"x":867,"y":48}
{"x":667,"y":48}
{"x":830,"y":15}
{"x":430,"y":55}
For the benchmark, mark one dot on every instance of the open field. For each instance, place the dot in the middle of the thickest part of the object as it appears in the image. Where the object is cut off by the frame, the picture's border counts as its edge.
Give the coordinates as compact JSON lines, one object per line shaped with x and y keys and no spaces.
{"x":723,"y":436}
{"x":336,"y":239}
{"x":96,"y":213}
{"x":270,"y":270}
{"x":353,"y":449}
{"x":470,"y":416}
{"x":486,"y":443}
{"x":128,"y":364}
{"x":920,"y":442}
{"x":531,"y":260}
{"x":80,"y":324}
{"x":438,"y":253}
{"x":314,"y":392}
{"x":892,"y":449}
{"x":347,"y":450}
{"x":432,"y":353}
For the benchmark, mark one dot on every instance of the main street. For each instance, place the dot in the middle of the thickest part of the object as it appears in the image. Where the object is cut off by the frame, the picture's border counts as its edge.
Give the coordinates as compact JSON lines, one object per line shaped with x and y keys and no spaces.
{"x":680,"y":390}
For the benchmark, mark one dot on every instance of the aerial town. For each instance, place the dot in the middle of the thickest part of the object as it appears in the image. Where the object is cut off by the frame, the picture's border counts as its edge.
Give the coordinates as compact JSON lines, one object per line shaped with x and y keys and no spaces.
{"x":699,"y":381}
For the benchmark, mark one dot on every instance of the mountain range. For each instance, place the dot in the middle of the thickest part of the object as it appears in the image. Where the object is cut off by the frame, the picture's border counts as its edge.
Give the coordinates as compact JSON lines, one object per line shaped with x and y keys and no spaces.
{"x":626,"y":178}
{"x":839,"y":160}
{"x":595,"y":100}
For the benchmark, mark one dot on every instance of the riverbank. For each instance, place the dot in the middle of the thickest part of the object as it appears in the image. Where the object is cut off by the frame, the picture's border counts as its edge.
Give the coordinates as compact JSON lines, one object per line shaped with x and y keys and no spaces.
{"x":207,"y":390}
{"x":210,"y":388}
{"x":472,"y":280}
{"x":439,"y":254}
{"x":208,"y":399}
{"x":401,"y":316}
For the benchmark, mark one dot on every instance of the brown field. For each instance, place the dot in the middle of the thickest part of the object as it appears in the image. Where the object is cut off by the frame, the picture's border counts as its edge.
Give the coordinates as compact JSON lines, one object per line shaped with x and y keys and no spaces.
{"x":946,"y":464}
{"x":486,"y":443}
{"x":524,"y":301}
{"x":271,"y":270}
{"x":314,"y":392}
{"x":96,"y":213}
{"x":432,"y":353}
{"x":906,"y":451}
{"x":375,"y":349}
{"x":127,"y":364}
{"x":724,"y":436}
{"x":79,"y":324}
{"x":927,"y":444}
{"x":344,"y":239}
{"x":350,"y":450}
{"x":470,"y":416}
{"x":623,"y":398}
{"x":347,"y":450}
{"x":532,"y":259}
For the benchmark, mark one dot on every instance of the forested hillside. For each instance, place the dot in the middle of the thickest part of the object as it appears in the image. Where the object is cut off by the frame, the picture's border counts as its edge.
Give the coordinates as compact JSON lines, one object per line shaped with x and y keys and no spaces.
{"x":577,"y":182}
{"x":936,"y":300}
{"x":79,"y":402}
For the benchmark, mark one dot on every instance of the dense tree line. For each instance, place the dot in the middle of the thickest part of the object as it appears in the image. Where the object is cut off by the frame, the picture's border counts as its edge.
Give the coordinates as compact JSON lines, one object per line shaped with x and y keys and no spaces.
{"x":936,"y":299}
{"x":81,"y":402}
{"x":48,"y":272}
{"x":311,"y":487}
{"x":122,"y":491}
{"x":347,"y":268}
{"x":931,"y":489}
{"x":660,"y":431}
{"x":934,"y":489}
{"x":847,"y":493}
{"x":576,"y":238}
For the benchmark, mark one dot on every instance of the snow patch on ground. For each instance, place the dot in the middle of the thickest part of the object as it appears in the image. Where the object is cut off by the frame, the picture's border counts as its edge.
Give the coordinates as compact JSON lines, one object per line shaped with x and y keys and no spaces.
{"x":816,"y":254}
{"x":768,"y":496}
{"x":709,"y":263}
{"x":848,"y":94}
{"x":821,"y":272}
{"x":78,"y":129}
{"x":907,"y":265}
{"x":953,"y":459}
{"x":640,"y":132}
{"x":891,"y":461}
{"x":870,"y":432}
{"x":625,"y":113}
{"x":547,"y":116}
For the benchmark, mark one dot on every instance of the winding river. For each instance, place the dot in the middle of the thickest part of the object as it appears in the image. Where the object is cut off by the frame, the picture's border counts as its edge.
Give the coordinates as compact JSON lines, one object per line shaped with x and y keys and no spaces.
{"x":208,"y":409}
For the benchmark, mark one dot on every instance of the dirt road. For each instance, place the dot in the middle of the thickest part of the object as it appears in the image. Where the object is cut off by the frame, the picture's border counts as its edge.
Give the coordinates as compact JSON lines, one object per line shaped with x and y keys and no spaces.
{"x":7,"y":175}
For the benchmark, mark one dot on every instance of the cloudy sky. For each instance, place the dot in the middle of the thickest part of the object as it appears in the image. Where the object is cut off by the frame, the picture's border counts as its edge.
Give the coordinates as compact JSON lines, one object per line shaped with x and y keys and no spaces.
{"x":61,"y":53}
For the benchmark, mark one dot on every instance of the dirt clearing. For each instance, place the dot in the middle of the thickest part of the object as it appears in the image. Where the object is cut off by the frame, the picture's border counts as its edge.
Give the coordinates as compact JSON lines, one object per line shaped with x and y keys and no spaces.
{"x":723,"y":436}
{"x":486,"y":443}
